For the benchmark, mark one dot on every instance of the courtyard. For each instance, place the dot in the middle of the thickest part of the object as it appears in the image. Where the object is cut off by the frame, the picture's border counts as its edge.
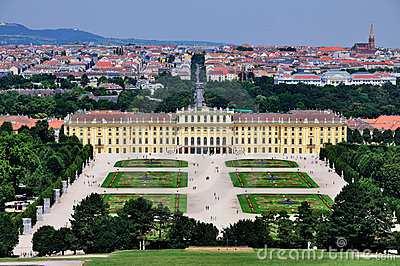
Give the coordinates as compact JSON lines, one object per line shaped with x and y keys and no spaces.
{"x":206,"y":191}
{"x":272,"y":180}
{"x":261,"y":203}
{"x":174,"y":202}
{"x":146,"y":180}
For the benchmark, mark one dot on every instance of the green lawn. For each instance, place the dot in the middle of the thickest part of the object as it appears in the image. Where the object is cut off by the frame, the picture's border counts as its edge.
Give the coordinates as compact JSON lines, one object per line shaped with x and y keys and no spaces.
{"x":146,"y":180}
{"x":273,"y":257}
{"x":260,"y":203}
{"x":173,"y":201}
{"x":196,"y":258}
{"x":262,"y":163}
{"x":152,"y":163}
{"x":272,"y":180}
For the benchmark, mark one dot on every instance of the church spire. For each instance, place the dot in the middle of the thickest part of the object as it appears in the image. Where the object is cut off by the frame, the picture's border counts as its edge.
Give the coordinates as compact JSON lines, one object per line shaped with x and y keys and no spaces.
{"x":371,"y":38}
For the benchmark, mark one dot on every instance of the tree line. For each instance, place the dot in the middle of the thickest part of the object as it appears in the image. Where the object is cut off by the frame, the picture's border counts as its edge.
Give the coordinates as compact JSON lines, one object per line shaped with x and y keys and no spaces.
{"x":176,"y":94}
{"x":138,"y":222}
{"x":376,"y":136}
{"x":370,"y":201}
{"x":32,"y":164}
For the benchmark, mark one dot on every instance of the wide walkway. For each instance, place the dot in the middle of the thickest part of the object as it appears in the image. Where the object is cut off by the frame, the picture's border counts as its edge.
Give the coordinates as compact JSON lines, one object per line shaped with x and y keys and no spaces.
{"x":212,"y":199}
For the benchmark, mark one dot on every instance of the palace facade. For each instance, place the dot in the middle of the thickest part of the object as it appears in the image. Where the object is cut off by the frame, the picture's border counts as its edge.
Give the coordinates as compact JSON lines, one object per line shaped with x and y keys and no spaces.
{"x":207,"y":131}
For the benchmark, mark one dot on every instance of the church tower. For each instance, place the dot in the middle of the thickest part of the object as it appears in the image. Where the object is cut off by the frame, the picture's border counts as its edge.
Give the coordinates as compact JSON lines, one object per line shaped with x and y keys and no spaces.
{"x":371,"y":38}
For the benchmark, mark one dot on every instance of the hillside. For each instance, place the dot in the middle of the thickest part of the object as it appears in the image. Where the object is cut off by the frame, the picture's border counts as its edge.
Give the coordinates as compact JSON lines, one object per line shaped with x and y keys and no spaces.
{"x":13,"y":33}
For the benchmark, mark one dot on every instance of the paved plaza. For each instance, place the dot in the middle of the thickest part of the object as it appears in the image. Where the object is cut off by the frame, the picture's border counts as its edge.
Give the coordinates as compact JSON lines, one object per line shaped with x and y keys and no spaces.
{"x":211,"y":196}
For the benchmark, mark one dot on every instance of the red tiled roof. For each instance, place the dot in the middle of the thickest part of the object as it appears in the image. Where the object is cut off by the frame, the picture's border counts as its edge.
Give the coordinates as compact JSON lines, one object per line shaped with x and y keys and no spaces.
{"x":56,"y":123}
{"x":391,"y":122}
{"x":305,"y":77}
{"x":104,"y":64}
{"x":331,"y":49}
{"x":18,"y":121}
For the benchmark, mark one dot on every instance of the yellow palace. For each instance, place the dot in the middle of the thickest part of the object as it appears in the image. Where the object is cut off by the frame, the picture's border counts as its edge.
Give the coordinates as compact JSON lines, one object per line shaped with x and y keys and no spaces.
{"x":207,"y":131}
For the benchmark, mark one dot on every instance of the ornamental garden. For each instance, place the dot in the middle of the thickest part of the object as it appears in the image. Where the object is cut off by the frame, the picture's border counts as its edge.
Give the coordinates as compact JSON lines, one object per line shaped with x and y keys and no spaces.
{"x":284,"y":178}
{"x":261,"y":203}
{"x":149,"y":178}
{"x":261,"y":163}
{"x":174,"y":202}
{"x":272,"y":180}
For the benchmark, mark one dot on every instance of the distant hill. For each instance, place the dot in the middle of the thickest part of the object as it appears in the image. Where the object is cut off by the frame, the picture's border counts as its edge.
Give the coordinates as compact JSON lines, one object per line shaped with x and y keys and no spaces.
{"x":13,"y":33}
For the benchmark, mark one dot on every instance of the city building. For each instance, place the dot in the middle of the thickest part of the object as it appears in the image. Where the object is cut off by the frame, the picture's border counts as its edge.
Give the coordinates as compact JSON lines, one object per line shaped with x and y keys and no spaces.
{"x":207,"y":131}
{"x":385,"y":122}
{"x":370,"y":46}
{"x":336,"y":78}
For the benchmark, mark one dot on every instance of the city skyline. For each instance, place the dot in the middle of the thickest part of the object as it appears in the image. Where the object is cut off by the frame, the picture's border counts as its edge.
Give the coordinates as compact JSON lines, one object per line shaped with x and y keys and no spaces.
{"x":258,"y":23}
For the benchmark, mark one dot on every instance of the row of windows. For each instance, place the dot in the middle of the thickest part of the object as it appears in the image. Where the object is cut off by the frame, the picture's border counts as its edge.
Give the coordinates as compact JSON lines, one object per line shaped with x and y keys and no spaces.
{"x":134,"y":150}
{"x":271,"y":128}
{"x":205,"y":118}
{"x":276,"y":141}
{"x":161,"y":150}
{"x":146,"y":130}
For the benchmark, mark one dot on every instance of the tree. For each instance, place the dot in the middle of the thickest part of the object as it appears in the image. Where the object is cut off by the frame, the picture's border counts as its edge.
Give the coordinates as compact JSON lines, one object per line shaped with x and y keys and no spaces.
{"x":286,"y":235}
{"x":85,"y":216}
{"x":43,"y":240}
{"x":8,"y":235}
{"x":361,"y":215}
{"x":84,"y":80}
{"x":7,"y":193}
{"x":181,"y":231}
{"x":305,"y":224}
{"x":247,"y":232}
{"x":366,"y":135}
{"x":162,"y":217}
{"x":65,"y":240}
{"x":140,"y":215}
{"x":204,"y":234}
{"x":377,"y":136}
{"x":322,"y":231}
{"x":388,"y":177}
{"x":41,"y":131}
{"x":396,"y":137}
{"x":105,"y":238}
{"x":356,"y":137}
{"x":6,"y":127}
{"x":55,"y":164}
{"x":387,"y":136}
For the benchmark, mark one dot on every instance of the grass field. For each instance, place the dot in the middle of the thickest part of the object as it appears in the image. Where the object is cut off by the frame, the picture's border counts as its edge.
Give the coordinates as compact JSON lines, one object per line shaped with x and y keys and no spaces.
{"x":272,"y":257}
{"x":259,"y":203}
{"x":173,"y":201}
{"x":152,"y":163}
{"x":272,"y":180}
{"x":146,"y":180}
{"x":182,"y":257}
{"x":261,"y":163}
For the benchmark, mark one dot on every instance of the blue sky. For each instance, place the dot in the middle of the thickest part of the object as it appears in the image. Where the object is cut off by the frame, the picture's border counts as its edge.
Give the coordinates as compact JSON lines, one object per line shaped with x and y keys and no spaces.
{"x":314,"y":22}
